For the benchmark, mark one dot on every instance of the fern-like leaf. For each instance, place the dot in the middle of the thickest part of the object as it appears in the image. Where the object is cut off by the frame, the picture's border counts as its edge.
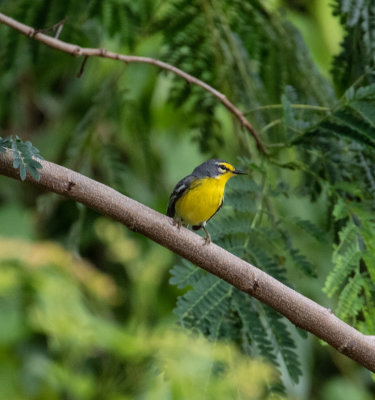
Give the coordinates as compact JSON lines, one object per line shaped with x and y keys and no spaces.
{"x":202,"y":306}
{"x":252,"y":325}
{"x":268,"y":264}
{"x":302,"y":262}
{"x":24,"y":156}
{"x":364,"y":131}
{"x":350,"y":302}
{"x":185,"y":275}
{"x":285,"y":343}
{"x":365,"y":109}
{"x":311,"y":228}
{"x":357,"y":18}
{"x":345,"y":258}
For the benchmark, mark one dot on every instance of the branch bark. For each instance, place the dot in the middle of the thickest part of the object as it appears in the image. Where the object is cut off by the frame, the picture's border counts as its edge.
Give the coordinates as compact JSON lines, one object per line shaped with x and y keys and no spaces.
{"x":77,"y":51}
{"x":300,"y":310}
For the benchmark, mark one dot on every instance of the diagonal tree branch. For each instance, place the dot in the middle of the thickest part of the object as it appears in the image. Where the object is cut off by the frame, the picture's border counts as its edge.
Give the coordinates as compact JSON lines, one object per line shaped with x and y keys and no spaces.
{"x":300,"y":310}
{"x":77,"y":51}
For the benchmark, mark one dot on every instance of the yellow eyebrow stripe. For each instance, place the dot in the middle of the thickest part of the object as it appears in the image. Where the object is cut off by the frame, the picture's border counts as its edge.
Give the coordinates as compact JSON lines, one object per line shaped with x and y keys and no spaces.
{"x":229,"y":166}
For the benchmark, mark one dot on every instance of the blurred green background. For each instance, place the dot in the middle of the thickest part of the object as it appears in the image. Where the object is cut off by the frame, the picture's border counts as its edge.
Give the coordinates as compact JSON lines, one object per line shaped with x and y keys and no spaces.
{"x":86,"y":308}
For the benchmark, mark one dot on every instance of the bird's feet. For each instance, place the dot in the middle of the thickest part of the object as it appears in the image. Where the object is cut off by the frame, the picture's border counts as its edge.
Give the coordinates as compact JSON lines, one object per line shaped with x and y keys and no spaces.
{"x":207,"y":239}
{"x":178,"y":223}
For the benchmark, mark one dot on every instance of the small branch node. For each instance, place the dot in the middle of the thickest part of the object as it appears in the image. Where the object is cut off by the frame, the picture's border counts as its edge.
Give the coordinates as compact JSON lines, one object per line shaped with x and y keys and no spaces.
{"x":77,"y":51}
{"x":342,"y":348}
{"x":70,"y":186}
{"x":133,"y":226}
{"x":254,"y":285}
{"x":32,"y":32}
{"x":102,"y":52}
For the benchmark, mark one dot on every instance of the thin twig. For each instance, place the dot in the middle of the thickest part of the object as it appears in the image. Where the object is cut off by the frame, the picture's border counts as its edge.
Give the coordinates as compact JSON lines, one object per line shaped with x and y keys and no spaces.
{"x":78,"y":51}
{"x":82,"y":67}
{"x":59,"y":25}
{"x":296,"y":106}
{"x":59,"y":29}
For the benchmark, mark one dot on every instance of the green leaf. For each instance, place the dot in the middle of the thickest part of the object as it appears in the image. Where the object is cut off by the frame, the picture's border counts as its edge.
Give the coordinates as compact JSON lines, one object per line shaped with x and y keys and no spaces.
{"x":252,"y":325}
{"x":34,"y":173}
{"x":350,"y":302}
{"x":345,"y":258}
{"x":22,"y":172}
{"x":16,"y":161}
{"x":312,"y":229}
{"x":364,"y":92}
{"x":302,"y":262}
{"x":268,"y":264}
{"x":185,"y":275}
{"x":366,"y":109}
{"x":3,"y":146}
{"x":340,"y":210}
{"x":330,"y":129}
{"x":360,"y":126}
{"x":24,"y":154}
{"x":207,"y":301}
{"x":286,"y":344}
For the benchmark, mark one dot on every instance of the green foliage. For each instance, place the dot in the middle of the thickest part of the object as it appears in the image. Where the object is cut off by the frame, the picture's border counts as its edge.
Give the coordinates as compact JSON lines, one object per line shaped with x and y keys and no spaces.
{"x":357,"y":54}
{"x":237,"y":57}
{"x":306,"y":210}
{"x":353,"y":271}
{"x":69,"y":344}
{"x":206,"y":305}
{"x":24,"y":156}
{"x":285,"y":344}
{"x":312,"y":229}
{"x":352,"y":119}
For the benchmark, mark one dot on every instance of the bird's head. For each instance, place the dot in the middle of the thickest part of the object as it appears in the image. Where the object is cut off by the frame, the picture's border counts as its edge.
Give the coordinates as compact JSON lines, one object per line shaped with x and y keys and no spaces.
{"x":218,"y":169}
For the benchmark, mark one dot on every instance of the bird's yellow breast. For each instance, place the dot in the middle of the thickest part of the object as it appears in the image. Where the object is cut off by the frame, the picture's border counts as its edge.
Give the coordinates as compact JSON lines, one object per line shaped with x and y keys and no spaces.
{"x":202,"y":200}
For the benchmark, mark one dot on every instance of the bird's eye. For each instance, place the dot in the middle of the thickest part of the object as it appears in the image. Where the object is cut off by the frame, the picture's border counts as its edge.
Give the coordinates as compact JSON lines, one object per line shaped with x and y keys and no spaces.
{"x":222,"y":169}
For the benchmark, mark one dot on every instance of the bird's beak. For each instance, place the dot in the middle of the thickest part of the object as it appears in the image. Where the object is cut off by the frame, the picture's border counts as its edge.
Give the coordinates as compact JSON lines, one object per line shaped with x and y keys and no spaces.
{"x":238,"y":172}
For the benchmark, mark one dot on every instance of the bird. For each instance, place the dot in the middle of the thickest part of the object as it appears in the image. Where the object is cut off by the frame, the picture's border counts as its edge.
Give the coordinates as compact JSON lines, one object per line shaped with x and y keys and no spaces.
{"x":200,"y":195}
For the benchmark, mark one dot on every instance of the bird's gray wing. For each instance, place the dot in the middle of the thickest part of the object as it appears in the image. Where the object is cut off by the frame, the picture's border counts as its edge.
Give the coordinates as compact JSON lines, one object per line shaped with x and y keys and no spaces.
{"x":178,"y":191}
